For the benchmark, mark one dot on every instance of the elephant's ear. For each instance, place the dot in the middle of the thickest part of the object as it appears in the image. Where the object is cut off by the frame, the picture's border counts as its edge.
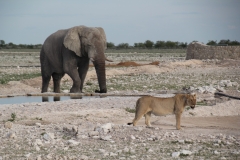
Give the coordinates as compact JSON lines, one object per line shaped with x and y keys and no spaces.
{"x":72,"y":41}
{"x":103,"y":35}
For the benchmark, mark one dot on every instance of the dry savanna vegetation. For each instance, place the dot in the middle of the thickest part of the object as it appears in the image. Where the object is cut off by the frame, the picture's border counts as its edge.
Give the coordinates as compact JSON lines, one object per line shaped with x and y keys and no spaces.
{"x":96,"y":128}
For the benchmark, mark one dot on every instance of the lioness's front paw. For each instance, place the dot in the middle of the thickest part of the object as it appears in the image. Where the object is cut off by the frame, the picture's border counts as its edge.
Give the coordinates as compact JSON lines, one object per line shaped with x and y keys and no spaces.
{"x":180,"y":128}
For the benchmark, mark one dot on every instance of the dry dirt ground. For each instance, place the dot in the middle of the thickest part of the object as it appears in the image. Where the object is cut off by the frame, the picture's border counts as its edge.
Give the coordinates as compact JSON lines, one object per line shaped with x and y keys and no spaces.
{"x":95,"y":128}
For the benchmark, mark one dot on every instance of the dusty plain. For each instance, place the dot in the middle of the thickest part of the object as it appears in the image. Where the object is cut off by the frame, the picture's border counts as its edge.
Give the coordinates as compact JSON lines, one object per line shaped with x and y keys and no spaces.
{"x":96,"y":128}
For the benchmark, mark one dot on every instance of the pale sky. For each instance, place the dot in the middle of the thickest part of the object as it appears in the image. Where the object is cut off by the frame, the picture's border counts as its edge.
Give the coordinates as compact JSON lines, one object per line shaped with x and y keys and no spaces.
{"x":125,"y":21}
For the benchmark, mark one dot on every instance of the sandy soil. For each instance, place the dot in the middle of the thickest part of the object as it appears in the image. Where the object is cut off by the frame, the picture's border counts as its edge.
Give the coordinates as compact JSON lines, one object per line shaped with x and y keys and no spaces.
{"x":203,"y":125}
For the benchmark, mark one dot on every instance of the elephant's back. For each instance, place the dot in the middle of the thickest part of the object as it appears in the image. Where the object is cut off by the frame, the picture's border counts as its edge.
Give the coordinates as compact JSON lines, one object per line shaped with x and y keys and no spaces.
{"x":56,"y":36}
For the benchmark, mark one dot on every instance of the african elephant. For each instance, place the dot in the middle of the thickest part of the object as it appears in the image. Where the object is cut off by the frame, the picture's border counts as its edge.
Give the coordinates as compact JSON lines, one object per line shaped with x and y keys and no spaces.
{"x":69,"y":51}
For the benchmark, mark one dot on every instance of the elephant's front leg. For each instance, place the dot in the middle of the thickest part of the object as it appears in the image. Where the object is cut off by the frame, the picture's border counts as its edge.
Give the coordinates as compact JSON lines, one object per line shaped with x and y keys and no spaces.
{"x":73,"y":73}
{"x":82,"y":70}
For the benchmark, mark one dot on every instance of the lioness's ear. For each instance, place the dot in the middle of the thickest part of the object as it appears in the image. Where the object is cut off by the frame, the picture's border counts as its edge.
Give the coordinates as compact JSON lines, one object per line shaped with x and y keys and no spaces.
{"x":194,"y":95}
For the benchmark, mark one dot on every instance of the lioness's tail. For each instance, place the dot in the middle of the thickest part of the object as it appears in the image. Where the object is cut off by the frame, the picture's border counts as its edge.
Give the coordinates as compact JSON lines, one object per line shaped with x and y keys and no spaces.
{"x":135,"y":112}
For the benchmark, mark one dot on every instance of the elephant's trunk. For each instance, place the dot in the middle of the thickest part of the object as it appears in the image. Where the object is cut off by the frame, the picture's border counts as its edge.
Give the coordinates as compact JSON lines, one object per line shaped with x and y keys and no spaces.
{"x":99,"y":65}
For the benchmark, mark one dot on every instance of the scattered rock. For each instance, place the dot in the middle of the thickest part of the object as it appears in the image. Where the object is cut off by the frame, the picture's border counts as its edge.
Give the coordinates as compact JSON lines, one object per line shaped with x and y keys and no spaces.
{"x":175,"y":154}
{"x":8,"y":125}
{"x":106,"y":127}
{"x":37,"y":148}
{"x":73,"y":142}
{"x":138,"y":128}
{"x":38,"y":124}
{"x":11,"y":135}
{"x":132,"y":137}
{"x":93,"y":133}
{"x":48,"y":136}
{"x":106,"y":138}
{"x":185,"y":152}
{"x":38,"y":142}
{"x":83,"y":157}
{"x":181,"y":141}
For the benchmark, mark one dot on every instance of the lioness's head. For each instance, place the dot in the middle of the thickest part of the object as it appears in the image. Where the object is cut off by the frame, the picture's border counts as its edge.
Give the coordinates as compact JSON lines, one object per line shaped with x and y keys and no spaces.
{"x":191,"y":100}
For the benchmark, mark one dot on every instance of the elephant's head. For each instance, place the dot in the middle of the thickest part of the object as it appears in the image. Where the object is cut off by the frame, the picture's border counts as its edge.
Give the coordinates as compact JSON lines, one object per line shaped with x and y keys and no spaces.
{"x":89,"y":42}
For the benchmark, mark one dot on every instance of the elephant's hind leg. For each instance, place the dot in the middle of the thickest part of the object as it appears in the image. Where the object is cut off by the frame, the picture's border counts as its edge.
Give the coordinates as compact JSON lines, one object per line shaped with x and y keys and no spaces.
{"x":45,"y":83}
{"x":56,"y":81}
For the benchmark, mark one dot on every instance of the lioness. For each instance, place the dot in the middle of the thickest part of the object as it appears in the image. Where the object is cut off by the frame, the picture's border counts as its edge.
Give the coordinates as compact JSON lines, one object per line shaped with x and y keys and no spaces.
{"x":163,"y":106}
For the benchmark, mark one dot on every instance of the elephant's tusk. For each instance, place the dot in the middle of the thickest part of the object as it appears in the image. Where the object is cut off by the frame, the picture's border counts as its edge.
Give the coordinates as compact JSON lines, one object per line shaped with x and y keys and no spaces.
{"x":109,"y":60}
{"x":92,"y":59}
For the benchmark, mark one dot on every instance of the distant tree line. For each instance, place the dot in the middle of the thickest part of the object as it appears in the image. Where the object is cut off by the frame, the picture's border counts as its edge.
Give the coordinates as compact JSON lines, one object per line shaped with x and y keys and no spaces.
{"x":19,"y":46}
{"x":223,"y":43}
{"x":141,"y":45}
{"x":149,"y":45}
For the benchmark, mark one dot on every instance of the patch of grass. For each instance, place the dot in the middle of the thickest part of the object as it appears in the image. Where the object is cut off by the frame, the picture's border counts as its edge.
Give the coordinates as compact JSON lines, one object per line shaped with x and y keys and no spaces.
{"x":13,"y":117}
{"x":43,"y":133}
{"x":40,"y":119}
{"x":202,"y":103}
{"x":88,"y":83}
{"x":17,"y":77}
{"x":130,"y":110}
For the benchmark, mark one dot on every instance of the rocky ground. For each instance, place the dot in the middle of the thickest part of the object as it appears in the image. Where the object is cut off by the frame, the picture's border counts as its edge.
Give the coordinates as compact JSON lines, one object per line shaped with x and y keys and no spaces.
{"x":95,"y":128}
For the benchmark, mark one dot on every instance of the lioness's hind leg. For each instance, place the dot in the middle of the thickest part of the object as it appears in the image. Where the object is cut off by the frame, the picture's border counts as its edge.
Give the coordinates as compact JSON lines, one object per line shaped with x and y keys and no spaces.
{"x":147,"y":118}
{"x":135,"y":120}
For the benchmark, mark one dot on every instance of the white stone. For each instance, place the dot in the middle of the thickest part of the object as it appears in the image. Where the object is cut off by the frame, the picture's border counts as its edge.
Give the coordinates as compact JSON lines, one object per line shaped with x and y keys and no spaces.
{"x":83,"y":157}
{"x":27,"y":155}
{"x":84,"y":136}
{"x":11,"y":135}
{"x":111,"y":154}
{"x":216,"y":152}
{"x":150,"y":139}
{"x":73,"y":142}
{"x":106,"y":138}
{"x":65,"y":91}
{"x":132,"y":137}
{"x":186,"y":152}
{"x":48,"y":136}
{"x":126,"y":149}
{"x":138,"y":128}
{"x":175,"y":154}
{"x":49,"y":156}
{"x":106,"y":127}
{"x":37,"y":148}
{"x":102,"y":150}
{"x":225,"y":83}
{"x":181,"y":141}
{"x":38,"y":142}
{"x":93,"y":133}
{"x":38,"y":124}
